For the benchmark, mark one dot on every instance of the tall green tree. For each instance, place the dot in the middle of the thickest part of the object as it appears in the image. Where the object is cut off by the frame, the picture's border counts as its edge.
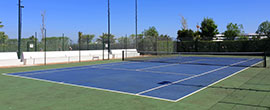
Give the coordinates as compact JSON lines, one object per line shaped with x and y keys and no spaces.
{"x":104,"y":37}
{"x":1,"y":26}
{"x":133,"y":36}
{"x":150,"y":39}
{"x":80,"y":37}
{"x":3,"y":41}
{"x":208,"y":29}
{"x":125,"y":41}
{"x":197,"y":36}
{"x":185,"y":35}
{"x":233,"y":30}
{"x":165,"y":37}
{"x":184,"y":23}
{"x":264,"y":29}
{"x":32,"y":38}
{"x":87,"y":39}
{"x":56,"y":43}
{"x":3,"y":37}
{"x":151,"y":32}
{"x":243,"y":38}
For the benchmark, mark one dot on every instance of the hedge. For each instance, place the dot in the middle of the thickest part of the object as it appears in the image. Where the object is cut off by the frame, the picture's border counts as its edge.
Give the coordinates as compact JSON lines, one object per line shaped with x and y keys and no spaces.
{"x":225,"y":46}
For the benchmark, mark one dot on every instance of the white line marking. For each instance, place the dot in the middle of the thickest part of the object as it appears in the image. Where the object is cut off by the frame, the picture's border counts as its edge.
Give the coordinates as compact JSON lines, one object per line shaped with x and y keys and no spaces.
{"x":175,"y":82}
{"x":70,"y":69}
{"x":161,"y":66}
{"x":113,"y":64}
{"x":170,"y":73}
{"x":153,"y":67}
{"x":215,"y":82}
{"x":89,"y":87}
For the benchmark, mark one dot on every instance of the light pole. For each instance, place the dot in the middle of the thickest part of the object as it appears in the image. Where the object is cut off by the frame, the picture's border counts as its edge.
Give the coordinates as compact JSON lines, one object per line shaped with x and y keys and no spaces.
{"x":36,"y":41}
{"x":19,"y":28}
{"x":80,"y":37}
{"x":63,"y":42}
{"x":109,"y":30}
{"x":136,"y":23}
{"x":45,"y":47}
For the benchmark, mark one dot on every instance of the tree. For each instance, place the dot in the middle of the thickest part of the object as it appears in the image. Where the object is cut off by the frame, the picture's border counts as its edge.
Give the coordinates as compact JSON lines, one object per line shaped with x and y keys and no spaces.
{"x":184,"y":23}
{"x":264,"y":29}
{"x":150,"y":39}
{"x":56,"y":43}
{"x":165,"y":43}
{"x":87,"y":39}
{"x":3,"y":40}
{"x":243,"y":38}
{"x":3,"y":37}
{"x":197,"y":36}
{"x":208,"y":29}
{"x":104,"y":38}
{"x":165,"y":37}
{"x":233,"y":30}
{"x":151,"y":32}
{"x":1,"y":26}
{"x":133,"y":36}
{"x":32,"y":38}
{"x":185,"y":35}
{"x":124,"y":41}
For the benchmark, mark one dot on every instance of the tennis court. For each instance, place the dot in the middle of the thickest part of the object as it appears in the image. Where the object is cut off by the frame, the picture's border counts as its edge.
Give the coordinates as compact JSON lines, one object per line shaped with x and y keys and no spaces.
{"x":158,"y":80}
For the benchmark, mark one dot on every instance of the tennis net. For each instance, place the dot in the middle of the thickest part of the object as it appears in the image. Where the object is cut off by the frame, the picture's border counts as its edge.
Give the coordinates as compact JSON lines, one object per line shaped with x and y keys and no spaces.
{"x":239,"y":59}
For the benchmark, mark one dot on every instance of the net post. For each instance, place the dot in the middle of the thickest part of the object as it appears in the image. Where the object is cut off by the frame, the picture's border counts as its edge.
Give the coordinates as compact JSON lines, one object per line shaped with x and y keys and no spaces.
{"x":36,"y":41}
{"x":45,"y":47}
{"x":265,"y":60}
{"x":63,"y":42}
{"x":79,"y":35}
{"x":123,"y":55}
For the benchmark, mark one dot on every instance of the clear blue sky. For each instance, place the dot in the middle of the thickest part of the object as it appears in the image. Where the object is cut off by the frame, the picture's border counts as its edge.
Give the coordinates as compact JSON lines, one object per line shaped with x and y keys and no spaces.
{"x":90,"y":16}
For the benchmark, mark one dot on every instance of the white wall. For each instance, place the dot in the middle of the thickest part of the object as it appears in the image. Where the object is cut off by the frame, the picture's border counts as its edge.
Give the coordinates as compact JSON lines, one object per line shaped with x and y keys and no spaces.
{"x":32,"y":58}
{"x":9,"y":59}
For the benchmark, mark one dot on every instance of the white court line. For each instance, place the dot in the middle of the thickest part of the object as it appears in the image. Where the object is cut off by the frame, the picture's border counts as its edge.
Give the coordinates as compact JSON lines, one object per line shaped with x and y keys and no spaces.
{"x":215,"y":82}
{"x":153,"y":67}
{"x":89,"y":87}
{"x":69,"y":69}
{"x":171,"y":73}
{"x":113,"y":64}
{"x":168,"y":65}
{"x":175,"y":82}
{"x":134,"y":70}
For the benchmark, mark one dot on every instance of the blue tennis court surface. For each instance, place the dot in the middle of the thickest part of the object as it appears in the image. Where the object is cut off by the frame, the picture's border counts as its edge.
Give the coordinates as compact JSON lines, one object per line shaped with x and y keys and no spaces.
{"x":165,"y":81}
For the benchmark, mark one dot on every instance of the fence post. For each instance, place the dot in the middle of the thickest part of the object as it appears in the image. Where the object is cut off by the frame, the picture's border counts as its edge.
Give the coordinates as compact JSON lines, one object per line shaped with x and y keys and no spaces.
{"x":80,"y":35}
{"x":123,"y":55}
{"x":156,"y":45}
{"x":63,"y":42}
{"x":265,"y":60}
{"x":103,"y":49}
{"x":167,"y":44}
{"x":36,"y":41}
{"x":196,"y":45}
{"x":45,"y":48}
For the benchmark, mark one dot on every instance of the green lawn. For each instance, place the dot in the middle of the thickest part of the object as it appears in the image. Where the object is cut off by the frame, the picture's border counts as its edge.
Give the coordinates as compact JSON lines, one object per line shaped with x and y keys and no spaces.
{"x":26,"y":94}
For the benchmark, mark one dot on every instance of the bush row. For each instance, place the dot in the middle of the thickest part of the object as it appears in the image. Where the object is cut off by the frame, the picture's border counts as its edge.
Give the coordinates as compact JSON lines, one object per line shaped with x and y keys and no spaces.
{"x":224,"y":46}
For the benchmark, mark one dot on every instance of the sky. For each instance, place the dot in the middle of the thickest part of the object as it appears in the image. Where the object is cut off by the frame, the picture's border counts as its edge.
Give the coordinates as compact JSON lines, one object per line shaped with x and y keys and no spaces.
{"x":90,"y":16}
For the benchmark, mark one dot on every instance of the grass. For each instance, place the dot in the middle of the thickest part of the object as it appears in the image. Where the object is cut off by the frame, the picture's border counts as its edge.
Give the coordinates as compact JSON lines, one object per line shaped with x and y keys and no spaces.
{"x":26,"y":94}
